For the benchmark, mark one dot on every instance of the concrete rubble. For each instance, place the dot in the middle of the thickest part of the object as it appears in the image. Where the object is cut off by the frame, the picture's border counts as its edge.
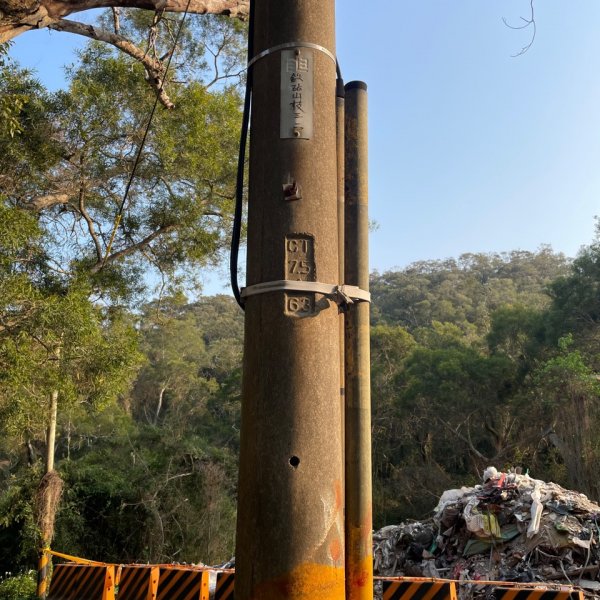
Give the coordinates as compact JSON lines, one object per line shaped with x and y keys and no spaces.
{"x":510,"y":528}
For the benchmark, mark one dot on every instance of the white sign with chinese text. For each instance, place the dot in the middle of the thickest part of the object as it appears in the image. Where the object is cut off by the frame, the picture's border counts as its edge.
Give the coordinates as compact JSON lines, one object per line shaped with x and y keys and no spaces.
{"x":297,"y":75}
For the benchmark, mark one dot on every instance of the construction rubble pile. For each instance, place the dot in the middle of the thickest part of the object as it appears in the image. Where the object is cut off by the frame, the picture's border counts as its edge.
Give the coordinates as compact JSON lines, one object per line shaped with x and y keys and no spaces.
{"x":510,"y":528}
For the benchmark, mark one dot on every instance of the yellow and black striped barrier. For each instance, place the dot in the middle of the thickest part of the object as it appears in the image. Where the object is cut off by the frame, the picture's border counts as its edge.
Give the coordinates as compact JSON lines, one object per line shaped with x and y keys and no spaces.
{"x":416,"y":588}
{"x":407,"y":588}
{"x":76,"y":581}
{"x":90,"y":580}
{"x":224,"y":586}
{"x":181,"y":583}
{"x":537,"y":593}
{"x":509,"y":590}
{"x":138,"y":582}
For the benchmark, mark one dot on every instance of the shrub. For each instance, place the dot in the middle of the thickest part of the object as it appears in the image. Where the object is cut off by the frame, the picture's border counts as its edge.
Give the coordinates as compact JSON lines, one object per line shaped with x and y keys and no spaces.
{"x":18,"y":587}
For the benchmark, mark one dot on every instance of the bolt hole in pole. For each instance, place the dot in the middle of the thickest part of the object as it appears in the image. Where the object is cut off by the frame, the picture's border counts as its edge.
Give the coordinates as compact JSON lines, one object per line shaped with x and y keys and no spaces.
{"x":294,"y":461}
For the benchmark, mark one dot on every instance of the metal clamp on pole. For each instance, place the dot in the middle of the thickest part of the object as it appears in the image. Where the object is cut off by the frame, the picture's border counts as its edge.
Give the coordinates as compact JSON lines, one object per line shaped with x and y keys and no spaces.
{"x":289,"y":45}
{"x":342,"y":295}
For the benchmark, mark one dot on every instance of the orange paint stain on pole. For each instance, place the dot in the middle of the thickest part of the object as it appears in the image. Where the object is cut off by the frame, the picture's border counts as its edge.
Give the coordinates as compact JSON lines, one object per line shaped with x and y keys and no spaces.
{"x":309,"y":580}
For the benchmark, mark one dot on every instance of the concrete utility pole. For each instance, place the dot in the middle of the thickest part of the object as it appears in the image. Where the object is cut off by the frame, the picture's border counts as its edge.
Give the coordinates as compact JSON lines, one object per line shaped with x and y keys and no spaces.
{"x":290,"y":537}
{"x":359,"y":544}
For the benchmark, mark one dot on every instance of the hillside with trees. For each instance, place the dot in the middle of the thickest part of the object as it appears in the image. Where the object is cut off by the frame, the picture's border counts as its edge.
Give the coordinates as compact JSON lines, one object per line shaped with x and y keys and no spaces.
{"x":484,"y":360}
{"x":499,"y":369}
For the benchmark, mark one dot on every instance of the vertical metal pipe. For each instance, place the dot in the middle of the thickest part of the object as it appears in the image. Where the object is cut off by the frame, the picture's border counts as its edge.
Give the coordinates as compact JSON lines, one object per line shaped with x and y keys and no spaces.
{"x":359,"y":551}
{"x":43,"y":575}
{"x":290,"y":539}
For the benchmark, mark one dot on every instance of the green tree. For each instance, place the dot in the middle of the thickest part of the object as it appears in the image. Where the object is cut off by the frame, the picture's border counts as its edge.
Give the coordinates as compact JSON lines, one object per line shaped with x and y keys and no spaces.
{"x":172,"y":453}
{"x":518,"y":332}
{"x":576,"y":301}
{"x":464,"y":291}
{"x":75,"y":248}
{"x":566,"y":393}
{"x":74,"y":157}
{"x":57,"y":349}
{"x":390,"y":347}
{"x":11,"y":102}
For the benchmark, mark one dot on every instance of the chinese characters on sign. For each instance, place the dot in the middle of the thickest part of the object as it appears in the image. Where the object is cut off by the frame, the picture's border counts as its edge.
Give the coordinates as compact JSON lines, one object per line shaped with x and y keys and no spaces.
{"x":297,"y":94}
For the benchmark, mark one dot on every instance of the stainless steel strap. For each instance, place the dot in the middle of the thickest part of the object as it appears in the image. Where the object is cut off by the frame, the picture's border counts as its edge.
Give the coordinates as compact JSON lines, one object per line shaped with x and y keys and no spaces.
{"x":342,"y":294}
{"x":288,"y":45}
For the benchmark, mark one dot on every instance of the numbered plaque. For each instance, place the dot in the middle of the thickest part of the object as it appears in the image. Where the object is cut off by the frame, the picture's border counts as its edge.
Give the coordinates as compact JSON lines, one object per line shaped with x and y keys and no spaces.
{"x":300,"y":266}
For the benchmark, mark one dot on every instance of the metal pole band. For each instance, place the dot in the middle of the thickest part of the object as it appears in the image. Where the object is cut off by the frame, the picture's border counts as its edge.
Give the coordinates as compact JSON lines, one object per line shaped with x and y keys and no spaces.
{"x":342,"y":294}
{"x":291,"y":45}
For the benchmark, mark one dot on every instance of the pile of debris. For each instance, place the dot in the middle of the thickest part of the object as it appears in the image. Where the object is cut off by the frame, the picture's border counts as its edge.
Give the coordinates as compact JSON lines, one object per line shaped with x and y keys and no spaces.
{"x":510,"y":528}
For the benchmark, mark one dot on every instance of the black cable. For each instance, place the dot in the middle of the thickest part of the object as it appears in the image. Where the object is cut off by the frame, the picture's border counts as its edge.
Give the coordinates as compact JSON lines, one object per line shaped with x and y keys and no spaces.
{"x":239,"y":190}
{"x":142,"y":143}
{"x":340,"y":90}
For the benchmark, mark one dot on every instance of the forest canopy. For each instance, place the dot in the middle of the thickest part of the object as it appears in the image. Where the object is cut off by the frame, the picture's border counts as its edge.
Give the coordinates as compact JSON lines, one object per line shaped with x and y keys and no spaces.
{"x":499,"y":368}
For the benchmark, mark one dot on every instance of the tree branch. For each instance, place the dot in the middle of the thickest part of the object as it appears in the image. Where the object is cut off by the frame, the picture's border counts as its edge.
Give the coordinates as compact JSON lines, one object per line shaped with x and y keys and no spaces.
{"x":530,"y":22}
{"x":90,"y":224}
{"x":116,"y":11}
{"x":18,"y":16}
{"x":131,"y":249}
{"x":154,"y":68}
{"x":467,"y":441}
{"x":39,"y":203}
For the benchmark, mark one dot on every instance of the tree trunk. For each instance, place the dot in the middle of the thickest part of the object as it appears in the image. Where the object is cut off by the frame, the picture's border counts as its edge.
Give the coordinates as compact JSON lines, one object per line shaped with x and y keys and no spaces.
{"x":159,"y":405}
{"x":51,"y":437}
{"x":48,"y":496}
{"x":50,"y":487}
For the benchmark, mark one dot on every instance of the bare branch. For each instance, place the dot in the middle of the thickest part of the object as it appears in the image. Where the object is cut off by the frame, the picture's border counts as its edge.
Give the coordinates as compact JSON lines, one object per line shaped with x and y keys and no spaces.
{"x":238,"y":74}
{"x":178,"y":476}
{"x":461,"y":437}
{"x":526,"y":23}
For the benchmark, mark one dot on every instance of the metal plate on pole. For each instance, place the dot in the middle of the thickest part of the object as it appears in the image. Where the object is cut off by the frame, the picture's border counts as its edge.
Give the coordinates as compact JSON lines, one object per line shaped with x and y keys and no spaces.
{"x":297,"y":77}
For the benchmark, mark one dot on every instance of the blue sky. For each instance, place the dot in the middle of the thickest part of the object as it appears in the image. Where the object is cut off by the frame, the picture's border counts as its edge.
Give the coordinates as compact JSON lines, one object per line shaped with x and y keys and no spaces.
{"x":471,"y":150}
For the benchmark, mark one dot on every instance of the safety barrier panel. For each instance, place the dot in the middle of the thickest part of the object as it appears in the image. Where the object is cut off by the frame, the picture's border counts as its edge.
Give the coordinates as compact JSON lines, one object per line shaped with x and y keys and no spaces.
{"x":180,"y":583}
{"x":407,"y":588}
{"x":98,"y":581}
{"x":416,"y":588}
{"x":224,"y":586}
{"x":523,"y":593}
{"x":73,"y":582}
{"x":138,"y":582}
